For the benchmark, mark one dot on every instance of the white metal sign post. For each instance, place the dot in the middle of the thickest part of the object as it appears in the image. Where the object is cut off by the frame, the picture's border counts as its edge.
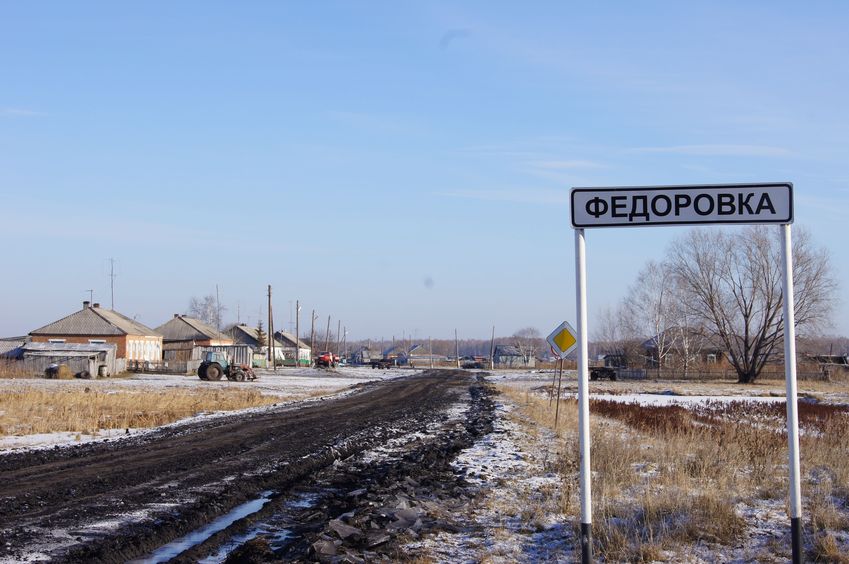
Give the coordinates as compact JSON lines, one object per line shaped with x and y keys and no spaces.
{"x":636,"y":206}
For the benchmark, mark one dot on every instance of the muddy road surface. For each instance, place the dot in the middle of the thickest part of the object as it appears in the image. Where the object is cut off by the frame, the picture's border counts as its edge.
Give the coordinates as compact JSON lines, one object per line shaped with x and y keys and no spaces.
{"x":343,"y":479}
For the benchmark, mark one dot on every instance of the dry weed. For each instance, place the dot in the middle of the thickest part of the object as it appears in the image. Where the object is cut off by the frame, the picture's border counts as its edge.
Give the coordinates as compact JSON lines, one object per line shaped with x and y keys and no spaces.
{"x":668,"y":476}
{"x":85,"y":411}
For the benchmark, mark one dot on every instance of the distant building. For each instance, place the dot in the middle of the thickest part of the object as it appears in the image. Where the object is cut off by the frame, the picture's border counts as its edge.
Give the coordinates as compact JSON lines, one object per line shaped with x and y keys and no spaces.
{"x":182,"y":334}
{"x":509,"y":356}
{"x":287,"y":341}
{"x":681,"y":345}
{"x":96,"y":326}
{"x":91,"y":359}
{"x":243,"y":334}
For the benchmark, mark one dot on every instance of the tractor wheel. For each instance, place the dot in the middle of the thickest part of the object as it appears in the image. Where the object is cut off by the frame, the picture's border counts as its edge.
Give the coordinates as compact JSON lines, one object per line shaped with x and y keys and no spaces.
{"x":593,"y":375}
{"x":214,"y":371}
{"x":237,"y":375}
{"x":202,"y":372}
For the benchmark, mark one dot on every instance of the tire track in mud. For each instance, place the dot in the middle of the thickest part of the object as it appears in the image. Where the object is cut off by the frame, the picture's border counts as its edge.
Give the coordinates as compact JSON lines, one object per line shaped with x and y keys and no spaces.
{"x":114,"y":501}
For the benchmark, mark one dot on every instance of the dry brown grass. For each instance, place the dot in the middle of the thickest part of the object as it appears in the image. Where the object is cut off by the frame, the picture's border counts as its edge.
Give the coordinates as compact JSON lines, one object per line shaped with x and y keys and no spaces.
{"x":32,"y":411}
{"x":13,"y":369}
{"x":665,"y":477}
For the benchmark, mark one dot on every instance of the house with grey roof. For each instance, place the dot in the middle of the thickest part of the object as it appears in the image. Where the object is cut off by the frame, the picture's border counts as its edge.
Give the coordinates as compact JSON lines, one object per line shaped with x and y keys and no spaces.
{"x":243,"y":334}
{"x":288,"y":342}
{"x":182,"y":328}
{"x":97,"y":325}
{"x":183,"y":337}
{"x":509,"y":356}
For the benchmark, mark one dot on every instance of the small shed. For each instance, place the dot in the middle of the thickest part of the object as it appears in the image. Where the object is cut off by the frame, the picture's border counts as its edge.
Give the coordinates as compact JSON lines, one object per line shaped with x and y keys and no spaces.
{"x":96,"y":359}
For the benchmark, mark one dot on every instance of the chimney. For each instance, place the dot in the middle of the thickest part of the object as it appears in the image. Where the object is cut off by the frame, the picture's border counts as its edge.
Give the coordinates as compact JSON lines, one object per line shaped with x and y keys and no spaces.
{"x":95,"y":304}
{"x":86,"y":304}
{"x":176,"y":315}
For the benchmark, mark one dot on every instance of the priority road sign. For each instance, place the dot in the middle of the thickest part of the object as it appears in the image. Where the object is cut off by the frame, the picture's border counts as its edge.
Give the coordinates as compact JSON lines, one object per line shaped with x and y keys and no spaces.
{"x":563,"y":340}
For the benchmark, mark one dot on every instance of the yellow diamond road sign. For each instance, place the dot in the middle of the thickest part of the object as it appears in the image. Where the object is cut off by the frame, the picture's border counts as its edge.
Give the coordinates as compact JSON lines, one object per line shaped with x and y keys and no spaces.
{"x":563,"y":340}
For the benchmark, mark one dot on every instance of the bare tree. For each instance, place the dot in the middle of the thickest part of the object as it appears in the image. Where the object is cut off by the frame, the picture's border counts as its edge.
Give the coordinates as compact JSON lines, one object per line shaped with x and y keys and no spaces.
{"x":527,"y":340}
{"x":613,"y":335}
{"x":733,"y":285}
{"x":651,"y":309}
{"x":207,"y":309}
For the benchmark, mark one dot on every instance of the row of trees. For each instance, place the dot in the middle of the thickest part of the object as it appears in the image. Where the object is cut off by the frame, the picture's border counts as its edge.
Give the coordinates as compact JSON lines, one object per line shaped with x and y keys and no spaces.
{"x":722,"y":287}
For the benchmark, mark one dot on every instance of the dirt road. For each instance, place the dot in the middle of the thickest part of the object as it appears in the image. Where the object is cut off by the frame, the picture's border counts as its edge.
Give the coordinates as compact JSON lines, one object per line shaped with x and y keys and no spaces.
{"x":116,"y":501}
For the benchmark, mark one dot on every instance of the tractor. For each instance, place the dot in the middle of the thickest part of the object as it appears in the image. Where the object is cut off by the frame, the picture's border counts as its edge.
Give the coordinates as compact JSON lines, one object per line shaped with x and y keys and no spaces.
{"x":217,"y":364}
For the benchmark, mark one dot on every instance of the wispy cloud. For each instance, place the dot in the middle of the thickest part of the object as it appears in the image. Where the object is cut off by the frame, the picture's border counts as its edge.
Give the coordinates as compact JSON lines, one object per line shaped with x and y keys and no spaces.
{"x":517,"y":196}
{"x":20,"y":112}
{"x":718,"y":150}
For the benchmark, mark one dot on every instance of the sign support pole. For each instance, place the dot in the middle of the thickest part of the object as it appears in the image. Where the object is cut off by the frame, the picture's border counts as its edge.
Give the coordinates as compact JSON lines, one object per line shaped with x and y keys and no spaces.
{"x":583,"y":399}
{"x":792,"y":400}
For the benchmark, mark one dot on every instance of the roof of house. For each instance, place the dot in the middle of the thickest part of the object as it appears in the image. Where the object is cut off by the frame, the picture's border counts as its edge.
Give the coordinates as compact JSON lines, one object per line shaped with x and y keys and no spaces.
{"x":242,"y":330}
{"x":507,"y":350}
{"x":9,"y":344}
{"x":288,"y":339}
{"x":68,"y":347}
{"x":97,"y":321}
{"x":185,"y":328}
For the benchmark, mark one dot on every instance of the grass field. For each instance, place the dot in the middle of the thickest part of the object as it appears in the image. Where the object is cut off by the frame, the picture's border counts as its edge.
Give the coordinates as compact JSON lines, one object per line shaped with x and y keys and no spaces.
{"x":666,"y":478}
{"x":31,"y":411}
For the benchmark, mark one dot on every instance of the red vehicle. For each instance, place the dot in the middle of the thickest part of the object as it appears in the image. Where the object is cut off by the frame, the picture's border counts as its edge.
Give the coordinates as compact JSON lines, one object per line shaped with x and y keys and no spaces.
{"x":326,"y":360}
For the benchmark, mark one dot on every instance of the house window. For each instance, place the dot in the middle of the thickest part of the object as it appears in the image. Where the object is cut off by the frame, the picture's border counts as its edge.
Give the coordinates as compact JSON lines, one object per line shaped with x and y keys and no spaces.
{"x":55,"y":340}
{"x":711,"y":358}
{"x":97,"y":341}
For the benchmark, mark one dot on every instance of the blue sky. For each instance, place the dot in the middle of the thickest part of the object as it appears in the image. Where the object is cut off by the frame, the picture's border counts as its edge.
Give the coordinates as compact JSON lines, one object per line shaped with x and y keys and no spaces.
{"x":402,"y":166}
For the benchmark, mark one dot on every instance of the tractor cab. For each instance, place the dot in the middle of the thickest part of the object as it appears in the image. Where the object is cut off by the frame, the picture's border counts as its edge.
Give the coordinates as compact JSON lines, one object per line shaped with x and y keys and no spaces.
{"x":216,"y":356}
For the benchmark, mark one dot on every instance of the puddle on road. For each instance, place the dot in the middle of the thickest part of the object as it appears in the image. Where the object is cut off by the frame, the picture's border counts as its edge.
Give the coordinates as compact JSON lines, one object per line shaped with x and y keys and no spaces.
{"x":275,"y":528}
{"x":175,"y":548}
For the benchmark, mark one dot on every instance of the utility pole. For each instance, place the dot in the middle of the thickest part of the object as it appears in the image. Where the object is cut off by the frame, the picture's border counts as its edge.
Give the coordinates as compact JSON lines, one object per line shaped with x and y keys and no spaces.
{"x":297,"y":332}
{"x":430,"y":350}
{"x":344,"y":342}
{"x":112,"y":280}
{"x":90,"y":296}
{"x":338,"y":334}
{"x":492,"y":350}
{"x":327,"y":336}
{"x":312,"y":335}
{"x":457,"y":348}
{"x":271,"y":348}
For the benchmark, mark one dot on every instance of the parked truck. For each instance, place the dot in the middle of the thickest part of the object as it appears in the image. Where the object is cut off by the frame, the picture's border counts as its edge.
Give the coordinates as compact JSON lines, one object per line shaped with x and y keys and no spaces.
{"x":326,"y":359}
{"x":217,"y":364}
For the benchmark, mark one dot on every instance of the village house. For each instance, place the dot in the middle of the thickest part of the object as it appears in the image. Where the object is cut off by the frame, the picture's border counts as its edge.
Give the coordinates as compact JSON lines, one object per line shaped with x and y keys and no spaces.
{"x":509,"y":356}
{"x":287,"y":341}
{"x":182,"y":334}
{"x":243,"y":334}
{"x":96,"y":326}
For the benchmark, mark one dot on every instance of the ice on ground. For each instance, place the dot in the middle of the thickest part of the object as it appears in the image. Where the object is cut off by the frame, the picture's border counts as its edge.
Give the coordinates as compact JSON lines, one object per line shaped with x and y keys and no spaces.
{"x":505,"y":525}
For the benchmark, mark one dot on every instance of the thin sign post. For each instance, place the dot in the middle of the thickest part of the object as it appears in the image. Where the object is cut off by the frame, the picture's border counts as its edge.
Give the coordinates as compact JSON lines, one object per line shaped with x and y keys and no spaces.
{"x":635,"y":206}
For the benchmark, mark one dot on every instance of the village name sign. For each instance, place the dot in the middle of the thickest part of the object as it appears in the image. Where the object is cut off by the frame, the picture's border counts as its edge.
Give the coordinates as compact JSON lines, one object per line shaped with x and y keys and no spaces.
{"x":636,"y":206}
{"x":682,"y":205}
